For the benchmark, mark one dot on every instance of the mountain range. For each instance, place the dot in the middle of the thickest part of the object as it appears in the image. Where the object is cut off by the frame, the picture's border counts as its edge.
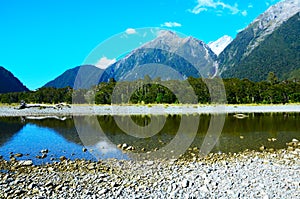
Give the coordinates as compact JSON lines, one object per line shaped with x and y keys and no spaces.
{"x":9,"y":83}
{"x":271,"y":43}
{"x":168,"y":57}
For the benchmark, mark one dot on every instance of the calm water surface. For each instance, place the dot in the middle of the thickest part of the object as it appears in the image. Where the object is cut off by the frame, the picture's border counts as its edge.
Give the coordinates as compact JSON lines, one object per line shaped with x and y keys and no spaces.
{"x":29,"y":137}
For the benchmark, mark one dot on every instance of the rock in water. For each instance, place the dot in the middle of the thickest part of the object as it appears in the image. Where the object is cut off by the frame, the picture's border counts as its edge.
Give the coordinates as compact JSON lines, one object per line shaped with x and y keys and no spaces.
{"x":124,"y":146}
{"x":18,"y":154}
{"x":45,"y":151}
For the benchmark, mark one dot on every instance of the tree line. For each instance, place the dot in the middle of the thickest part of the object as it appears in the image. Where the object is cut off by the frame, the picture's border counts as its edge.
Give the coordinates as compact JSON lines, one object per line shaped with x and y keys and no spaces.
{"x":148,"y":91}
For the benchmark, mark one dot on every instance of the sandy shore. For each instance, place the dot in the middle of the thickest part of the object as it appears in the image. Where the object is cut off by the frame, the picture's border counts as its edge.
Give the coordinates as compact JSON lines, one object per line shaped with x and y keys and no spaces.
{"x":147,"y":109}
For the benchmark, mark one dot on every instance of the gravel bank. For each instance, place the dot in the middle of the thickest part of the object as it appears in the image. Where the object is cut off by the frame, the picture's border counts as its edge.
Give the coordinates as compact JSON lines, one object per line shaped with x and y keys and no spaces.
{"x":146,"y":109}
{"x":247,"y":174}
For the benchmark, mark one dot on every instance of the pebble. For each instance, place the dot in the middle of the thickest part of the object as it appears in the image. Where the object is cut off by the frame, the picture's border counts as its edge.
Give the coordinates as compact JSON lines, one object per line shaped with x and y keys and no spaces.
{"x":91,"y":166}
{"x":103,"y":191}
{"x":247,"y":174}
{"x":204,"y":189}
{"x":25,"y":163}
{"x":124,"y":146}
{"x":62,"y":158}
{"x":185,"y":183}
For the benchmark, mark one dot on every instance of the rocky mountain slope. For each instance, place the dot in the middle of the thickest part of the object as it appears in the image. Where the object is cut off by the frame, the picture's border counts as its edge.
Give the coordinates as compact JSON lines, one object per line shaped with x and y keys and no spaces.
{"x":270,"y":43}
{"x":168,"y":57}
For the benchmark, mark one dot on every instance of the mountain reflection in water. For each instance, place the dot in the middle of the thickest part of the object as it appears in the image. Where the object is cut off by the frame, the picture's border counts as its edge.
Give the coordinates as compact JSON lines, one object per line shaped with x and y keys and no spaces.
{"x":61,"y":137}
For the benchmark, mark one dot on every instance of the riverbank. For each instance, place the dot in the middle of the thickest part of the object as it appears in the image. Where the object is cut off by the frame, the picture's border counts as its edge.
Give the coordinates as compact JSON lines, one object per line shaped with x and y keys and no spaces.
{"x":248,"y":174}
{"x":6,"y":111}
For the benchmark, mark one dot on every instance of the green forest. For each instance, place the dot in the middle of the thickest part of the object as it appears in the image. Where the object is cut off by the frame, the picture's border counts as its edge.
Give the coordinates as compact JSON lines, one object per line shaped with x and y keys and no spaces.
{"x":148,"y":91}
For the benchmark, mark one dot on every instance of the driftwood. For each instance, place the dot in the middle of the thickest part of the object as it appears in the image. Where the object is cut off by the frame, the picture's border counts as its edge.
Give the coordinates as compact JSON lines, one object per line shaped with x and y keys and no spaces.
{"x":240,"y":116}
{"x":23,"y":105}
{"x":45,"y":117}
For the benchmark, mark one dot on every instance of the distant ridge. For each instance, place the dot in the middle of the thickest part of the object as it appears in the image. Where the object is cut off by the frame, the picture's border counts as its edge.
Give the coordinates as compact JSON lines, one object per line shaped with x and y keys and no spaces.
{"x":9,"y":83}
{"x":68,"y":77}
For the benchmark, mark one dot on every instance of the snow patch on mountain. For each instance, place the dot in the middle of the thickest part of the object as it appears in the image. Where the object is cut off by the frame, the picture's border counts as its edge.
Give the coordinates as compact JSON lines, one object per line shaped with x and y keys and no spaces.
{"x":219,"y":45}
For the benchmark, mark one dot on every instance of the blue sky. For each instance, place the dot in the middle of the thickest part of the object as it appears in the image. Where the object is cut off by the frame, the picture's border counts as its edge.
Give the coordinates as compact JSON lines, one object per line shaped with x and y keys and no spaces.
{"x":39,"y":40}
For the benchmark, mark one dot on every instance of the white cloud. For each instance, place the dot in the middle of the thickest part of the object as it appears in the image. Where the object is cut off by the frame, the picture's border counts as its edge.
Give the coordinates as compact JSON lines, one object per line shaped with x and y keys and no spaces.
{"x":244,"y":13}
{"x":130,"y":31}
{"x":104,"y":62}
{"x":171,"y":24}
{"x":205,"y":5}
{"x":250,"y":5}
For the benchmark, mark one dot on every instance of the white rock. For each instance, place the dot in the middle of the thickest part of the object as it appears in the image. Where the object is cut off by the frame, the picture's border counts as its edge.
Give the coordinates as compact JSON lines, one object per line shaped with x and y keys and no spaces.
{"x":124,"y":146}
{"x":204,"y":189}
{"x":25,"y":163}
{"x":103,"y":191}
{"x":44,"y":151}
{"x":185,"y":183}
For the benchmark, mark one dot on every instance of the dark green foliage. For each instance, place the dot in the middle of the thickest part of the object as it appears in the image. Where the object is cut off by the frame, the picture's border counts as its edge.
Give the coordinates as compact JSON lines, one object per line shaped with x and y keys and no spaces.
{"x":272,"y":78}
{"x":9,"y":83}
{"x":152,"y":93}
{"x":42,"y":95}
{"x":104,"y":92}
{"x":142,"y":91}
{"x":295,"y":97}
{"x":200,"y":89}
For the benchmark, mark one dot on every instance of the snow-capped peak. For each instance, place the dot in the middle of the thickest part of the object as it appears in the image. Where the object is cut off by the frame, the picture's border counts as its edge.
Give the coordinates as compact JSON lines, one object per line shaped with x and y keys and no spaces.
{"x":218,"y":46}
